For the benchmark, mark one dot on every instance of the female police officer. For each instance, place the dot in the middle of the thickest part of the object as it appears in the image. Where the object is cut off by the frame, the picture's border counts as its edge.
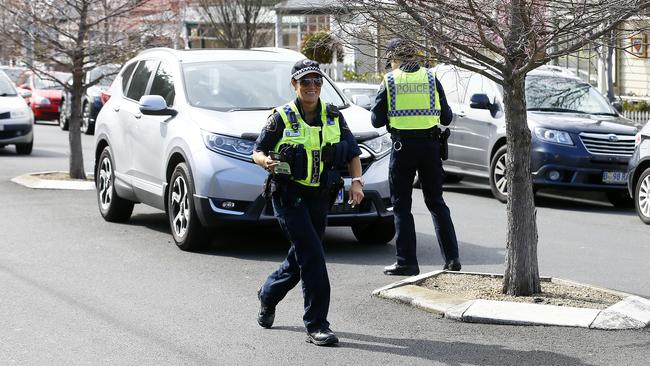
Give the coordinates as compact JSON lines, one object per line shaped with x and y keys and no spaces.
{"x":312,"y":139}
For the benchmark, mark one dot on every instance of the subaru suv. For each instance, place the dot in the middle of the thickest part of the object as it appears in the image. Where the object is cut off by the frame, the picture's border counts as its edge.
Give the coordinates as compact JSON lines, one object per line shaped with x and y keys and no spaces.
{"x":579,"y":141}
{"x":178,"y":133}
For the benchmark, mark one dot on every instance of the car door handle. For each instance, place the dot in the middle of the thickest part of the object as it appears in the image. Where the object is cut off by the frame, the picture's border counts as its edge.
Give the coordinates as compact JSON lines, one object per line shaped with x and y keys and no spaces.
{"x":116,"y":108}
{"x":461,"y":114}
{"x":137,"y":115}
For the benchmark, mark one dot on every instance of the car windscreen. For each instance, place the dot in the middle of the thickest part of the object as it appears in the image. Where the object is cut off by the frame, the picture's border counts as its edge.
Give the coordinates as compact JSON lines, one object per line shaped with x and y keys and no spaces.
{"x":558,"y":94}
{"x":245,"y":85}
{"x":350,"y":92}
{"x":49,"y":83}
{"x":106,"y":72}
{"x":6,"y":88}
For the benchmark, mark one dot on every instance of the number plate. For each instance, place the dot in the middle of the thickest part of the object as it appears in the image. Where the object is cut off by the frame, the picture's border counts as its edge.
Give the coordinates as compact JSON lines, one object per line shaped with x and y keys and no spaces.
{"x":339,"y":197}
{"x":614,"y":177}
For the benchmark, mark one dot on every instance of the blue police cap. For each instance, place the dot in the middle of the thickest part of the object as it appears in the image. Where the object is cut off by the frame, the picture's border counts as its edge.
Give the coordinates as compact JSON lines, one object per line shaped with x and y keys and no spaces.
{"x":304,"y":67}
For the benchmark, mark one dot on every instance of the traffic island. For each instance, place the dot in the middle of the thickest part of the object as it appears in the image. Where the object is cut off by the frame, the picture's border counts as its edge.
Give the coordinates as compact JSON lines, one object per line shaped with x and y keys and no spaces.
{"x":476,"y":298}
{"x":54,"y":180}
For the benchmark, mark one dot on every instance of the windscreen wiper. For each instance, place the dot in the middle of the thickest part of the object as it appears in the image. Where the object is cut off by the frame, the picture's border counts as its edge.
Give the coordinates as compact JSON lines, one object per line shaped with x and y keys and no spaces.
{"x":250,"y":109}
{"x":605,"y":114}
{"x":7,"y":95}
{"x":564,"y":110}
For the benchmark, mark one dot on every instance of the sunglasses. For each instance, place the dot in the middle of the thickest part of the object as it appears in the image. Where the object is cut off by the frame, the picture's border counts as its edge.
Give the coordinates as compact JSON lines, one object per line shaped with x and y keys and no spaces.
{"x":307,"y":82}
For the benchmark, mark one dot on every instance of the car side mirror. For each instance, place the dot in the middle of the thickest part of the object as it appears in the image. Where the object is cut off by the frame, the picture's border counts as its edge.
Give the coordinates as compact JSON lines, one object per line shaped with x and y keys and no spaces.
{"x":618,"y":106}
{"x":26,"y":94}
{"x":480,"y":101}
{"x":361,"y":100}
{"x":155,"y":105}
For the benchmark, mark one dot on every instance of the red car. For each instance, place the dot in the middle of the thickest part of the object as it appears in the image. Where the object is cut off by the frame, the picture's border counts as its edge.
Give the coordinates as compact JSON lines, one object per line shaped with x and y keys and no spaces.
{"x":44,"y":95}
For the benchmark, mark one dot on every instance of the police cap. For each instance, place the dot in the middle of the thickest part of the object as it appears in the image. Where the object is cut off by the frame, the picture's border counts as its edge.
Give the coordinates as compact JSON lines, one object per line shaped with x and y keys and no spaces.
{"x":399,"y":48}
{"x":304,"y":67}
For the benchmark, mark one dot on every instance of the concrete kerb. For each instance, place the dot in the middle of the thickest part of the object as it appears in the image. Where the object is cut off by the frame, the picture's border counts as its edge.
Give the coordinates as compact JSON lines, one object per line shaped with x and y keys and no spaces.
{"x":633,"y":312}
{"x":32,"y":180}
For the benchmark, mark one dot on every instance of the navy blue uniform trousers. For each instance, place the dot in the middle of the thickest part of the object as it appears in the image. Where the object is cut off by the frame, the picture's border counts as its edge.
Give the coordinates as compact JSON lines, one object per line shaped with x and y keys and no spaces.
{"x":303,"y":218}
{"x":421,"y":155}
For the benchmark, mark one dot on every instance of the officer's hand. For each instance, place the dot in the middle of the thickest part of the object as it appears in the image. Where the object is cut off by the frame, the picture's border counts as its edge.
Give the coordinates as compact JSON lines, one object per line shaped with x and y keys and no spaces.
{"x":356,"y":194}
{"x":269,"y":164}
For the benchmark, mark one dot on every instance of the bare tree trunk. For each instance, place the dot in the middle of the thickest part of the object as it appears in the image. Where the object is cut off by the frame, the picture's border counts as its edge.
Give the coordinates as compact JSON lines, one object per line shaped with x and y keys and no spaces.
{"x":522,"y":275}
{"x":611,"y":40}
{"x":77,"y":170}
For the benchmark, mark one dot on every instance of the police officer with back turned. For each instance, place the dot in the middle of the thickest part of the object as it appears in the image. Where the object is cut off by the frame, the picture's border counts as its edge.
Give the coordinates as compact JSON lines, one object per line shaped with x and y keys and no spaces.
{"x":412,"y":103}
{"x":303,"y":145}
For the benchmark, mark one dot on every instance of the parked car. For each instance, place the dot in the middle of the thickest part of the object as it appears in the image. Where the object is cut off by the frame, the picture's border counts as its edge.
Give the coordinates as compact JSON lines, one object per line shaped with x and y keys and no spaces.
{"x":44,"y":94}
{"x":579,"y":141}
{"x":638,"y":176}
{"x":16,"y":118}
{"x":178,"y":132}
{"x":91,"y":101}
{"x":361,"y":94}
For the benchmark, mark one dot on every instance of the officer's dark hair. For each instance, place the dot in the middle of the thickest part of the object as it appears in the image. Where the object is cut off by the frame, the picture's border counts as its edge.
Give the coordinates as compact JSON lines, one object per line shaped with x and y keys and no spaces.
{"x":398,"y":48}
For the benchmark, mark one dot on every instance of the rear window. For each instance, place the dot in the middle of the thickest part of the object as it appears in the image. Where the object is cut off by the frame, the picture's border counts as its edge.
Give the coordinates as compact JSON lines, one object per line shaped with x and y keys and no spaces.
{"x":126,"y":75}
{"x":236,"y":85}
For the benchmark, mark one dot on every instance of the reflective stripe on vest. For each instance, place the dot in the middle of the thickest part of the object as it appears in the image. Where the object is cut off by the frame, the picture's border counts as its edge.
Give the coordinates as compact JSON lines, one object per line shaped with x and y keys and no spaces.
{"x":413,"y":101}
{"x":298,"y":132}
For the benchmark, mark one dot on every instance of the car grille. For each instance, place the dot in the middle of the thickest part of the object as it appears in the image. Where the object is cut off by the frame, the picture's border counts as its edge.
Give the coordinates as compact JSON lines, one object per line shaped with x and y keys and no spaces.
{"x":5,"y":115}
{"x":608,"y":143}
{"x":365,"y":163}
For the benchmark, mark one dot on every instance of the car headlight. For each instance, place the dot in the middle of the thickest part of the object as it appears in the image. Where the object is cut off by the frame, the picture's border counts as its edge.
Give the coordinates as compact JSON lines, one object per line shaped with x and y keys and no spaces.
{"x":380,"y":145}
{"x":39,"y":99}
{"x":232,"y":146}
{"x":554,"y":136}
{"x":20,"y":113}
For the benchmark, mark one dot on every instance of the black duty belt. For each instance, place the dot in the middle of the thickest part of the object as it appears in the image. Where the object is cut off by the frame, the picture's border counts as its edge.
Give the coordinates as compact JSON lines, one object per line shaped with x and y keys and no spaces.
{"x":430,"y":133}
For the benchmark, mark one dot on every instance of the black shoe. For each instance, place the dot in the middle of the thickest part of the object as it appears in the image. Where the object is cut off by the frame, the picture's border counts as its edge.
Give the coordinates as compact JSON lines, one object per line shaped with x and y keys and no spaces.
{"x":402,"y":270}
{"x":266,"y":315}
{"x":322,"y":337}
{"x":452,"y":265}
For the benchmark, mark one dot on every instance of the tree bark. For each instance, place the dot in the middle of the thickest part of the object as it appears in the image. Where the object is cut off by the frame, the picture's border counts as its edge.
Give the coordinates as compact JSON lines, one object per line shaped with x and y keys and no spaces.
{"x":77,"y":170}
{"x":521,"y":277}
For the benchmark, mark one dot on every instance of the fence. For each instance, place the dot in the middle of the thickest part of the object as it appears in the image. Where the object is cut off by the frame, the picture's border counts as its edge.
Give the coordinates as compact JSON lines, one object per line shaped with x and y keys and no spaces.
{"x":335,"y":71}
{"x":636,"y":116}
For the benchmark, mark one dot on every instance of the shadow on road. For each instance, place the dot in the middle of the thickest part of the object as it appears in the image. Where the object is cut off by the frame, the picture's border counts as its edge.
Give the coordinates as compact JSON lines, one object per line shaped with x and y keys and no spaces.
{"x":448,"y":353}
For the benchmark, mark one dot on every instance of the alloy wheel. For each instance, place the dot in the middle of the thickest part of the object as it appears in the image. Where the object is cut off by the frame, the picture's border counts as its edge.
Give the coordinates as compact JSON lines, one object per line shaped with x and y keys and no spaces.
{"x":500,"y":179}
{"x":105,"y":183}
{"x":180,"y":207}
{"x":644,"y":197}
{"x":85,"y":118}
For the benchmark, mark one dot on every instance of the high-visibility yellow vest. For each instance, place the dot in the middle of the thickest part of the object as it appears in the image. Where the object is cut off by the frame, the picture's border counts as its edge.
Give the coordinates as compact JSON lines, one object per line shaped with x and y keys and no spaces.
{"x":413,"y":101}
{"x":298,"y":132}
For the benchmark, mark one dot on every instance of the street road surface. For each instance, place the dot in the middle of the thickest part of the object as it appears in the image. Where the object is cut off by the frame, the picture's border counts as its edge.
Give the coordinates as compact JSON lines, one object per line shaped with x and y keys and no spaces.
{"x":79,"y":290}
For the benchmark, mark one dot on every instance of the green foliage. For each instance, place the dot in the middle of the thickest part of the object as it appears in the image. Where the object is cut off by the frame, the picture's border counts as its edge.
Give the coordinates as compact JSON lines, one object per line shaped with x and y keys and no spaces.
{"x":321,"y":47}
{"x":351,"y":75}
{"x":641,"y":106}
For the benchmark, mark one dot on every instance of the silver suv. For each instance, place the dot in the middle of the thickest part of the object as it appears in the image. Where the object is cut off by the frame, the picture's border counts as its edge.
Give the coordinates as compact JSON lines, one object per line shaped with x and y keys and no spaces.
{"x":178,"y":131}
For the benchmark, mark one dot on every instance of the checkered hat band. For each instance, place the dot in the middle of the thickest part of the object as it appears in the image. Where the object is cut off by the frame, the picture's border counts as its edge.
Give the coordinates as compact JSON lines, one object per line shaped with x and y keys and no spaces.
{"x":306,"y":70}
{"x":413,"y":112}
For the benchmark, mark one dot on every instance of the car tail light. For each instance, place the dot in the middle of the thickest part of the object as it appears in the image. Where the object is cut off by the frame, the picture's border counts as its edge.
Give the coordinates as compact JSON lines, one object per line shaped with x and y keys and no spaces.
{"x":104,"y":96}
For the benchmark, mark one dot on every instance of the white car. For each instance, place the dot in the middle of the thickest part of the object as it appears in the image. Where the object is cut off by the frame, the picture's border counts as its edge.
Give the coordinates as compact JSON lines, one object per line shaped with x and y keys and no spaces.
{"x":16,"y":118}
{"x":178,"y":132}
{"x":361,"y":94}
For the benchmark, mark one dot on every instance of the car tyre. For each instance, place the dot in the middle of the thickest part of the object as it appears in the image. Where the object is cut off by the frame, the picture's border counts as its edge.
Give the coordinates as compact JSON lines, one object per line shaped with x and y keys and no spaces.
{"x":620,"y":199}
{"x":642,"y":197}
{"x":498,"y":178}
{"x":64,"y":122}
{"x":87,"y":124}
{"x":187,"y":230}
{"x":112,"y":207}
{"x":380,"y":232}
{"x":25,"y":149}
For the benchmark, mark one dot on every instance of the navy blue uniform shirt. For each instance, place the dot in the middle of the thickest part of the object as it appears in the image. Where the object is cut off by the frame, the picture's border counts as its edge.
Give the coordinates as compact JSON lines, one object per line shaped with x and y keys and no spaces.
{"x":274,"y":129}
{"x":380,"y":108}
